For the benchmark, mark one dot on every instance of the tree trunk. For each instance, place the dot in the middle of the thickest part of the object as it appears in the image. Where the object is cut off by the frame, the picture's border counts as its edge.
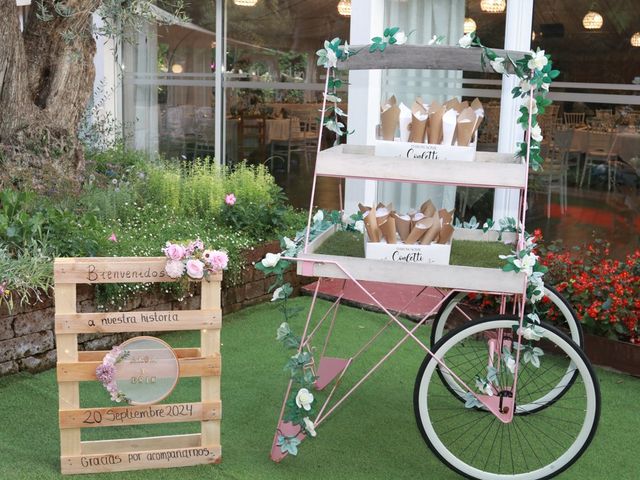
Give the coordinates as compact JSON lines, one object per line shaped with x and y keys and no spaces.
{"x":46,"y":81}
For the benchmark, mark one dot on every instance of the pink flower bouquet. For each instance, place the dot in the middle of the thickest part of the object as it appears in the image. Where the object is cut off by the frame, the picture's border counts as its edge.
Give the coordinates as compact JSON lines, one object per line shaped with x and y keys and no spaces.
{"x":194,"y":260}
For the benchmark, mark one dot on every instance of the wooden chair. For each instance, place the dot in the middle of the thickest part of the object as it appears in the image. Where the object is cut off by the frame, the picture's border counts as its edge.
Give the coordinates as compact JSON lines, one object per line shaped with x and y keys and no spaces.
{"x":251,"y":131}
{"x":598,"y":150}
{"x":295,"y":143}
{"x":574,"y":119}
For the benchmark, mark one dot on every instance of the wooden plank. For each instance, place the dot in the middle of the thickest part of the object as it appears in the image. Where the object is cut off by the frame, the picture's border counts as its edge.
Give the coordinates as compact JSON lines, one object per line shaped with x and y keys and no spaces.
{"x":210,"y":345}
{"x":477,"y":279}
{"x":121,"y":445}
{"x":139,"y":415}
{"x":110,"y":322}
{"x":142,"y":459}
{"x":490,"y":170}
{"x":189,"y":367}
{"x":98,"y":355}
{"x":67,"y":351}
{"x":435,"y":57}
{"x":94,"y":270}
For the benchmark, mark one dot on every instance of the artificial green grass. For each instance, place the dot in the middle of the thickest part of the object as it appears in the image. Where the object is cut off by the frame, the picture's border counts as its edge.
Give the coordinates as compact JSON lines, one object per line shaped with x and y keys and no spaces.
{"x":463,"y":252}
{"x":372,"y":436}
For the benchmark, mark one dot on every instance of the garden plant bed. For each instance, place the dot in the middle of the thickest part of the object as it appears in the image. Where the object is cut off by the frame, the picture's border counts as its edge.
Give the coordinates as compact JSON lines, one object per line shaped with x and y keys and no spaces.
{"x":621,"y":356}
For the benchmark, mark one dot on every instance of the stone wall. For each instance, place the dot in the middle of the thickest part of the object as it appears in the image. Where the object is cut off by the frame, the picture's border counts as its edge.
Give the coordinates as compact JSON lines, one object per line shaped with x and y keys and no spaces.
{"x":27,"y":340}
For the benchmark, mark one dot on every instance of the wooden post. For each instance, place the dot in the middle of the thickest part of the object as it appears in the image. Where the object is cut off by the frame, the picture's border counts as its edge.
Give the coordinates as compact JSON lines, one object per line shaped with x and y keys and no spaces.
{"x":210,"y":345}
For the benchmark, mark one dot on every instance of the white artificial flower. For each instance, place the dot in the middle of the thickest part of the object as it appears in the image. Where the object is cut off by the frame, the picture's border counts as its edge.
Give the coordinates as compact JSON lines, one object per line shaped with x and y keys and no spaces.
{"x":534,"y":317}
{"x":532,"y":332}
{"x":332,"y":58}
{"x":174,"y":268}
{"x":545,"y":86}
{"x":525,"y":86}
{"x":498,"y":65}
{"x":309,"y":426}
{"x":536,"y":297}
{"x":346,"y":219}
{"x":401,"y":38}
{"x":526,"y":263}
{"x":538,"y":60}
{"x":304,"y":398}
{"x":511,"y":364}
{"x":465,"y":41}
{"x":318,"y":217}
{"x":433,"y":40}
{"x":359,"y":226}
{"x":271,"y":260}
{"x":536,"y":133}
{"x":288,"y":243}
{"x":277,"y":294}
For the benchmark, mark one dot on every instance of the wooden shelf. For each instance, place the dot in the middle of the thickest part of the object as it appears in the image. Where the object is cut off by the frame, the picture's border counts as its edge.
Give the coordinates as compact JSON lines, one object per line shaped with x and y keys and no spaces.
{"x":434,"y":57}
{"x":491,"y":170}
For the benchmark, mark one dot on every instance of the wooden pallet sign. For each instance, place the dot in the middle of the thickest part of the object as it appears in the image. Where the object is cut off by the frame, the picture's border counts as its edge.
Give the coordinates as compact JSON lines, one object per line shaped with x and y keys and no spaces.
{"x":77,"y":456}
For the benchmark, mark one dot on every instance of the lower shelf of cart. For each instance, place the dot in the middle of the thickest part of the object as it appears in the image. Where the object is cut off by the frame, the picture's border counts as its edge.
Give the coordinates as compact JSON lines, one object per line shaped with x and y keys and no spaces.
{"x":441,"y":276}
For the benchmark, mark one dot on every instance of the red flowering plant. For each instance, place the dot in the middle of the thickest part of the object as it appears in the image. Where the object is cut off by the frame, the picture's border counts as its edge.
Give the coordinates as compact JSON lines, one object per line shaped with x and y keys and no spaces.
{"x":604,"y":292}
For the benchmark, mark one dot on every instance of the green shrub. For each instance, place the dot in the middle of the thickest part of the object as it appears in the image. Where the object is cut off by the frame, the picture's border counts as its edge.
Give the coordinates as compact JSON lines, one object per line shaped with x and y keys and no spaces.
{"x":26,"y":273}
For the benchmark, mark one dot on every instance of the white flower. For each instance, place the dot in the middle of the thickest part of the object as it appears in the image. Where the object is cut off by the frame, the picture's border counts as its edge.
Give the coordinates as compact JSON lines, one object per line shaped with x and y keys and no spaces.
{"x":401,"y":38}
{"x":545,"y":86}
{"x":318,"y":217}
{"x":526,"y":263}
{"x":277,"y":294}
{"x":174,"y":268}
{"x":465,"y":41}
{"x":511,"y":364}
{"x":345,"y":48}
{"x":536,"y":297}
{"x":433,"y":40}
{"x":534,"y":317}
{"x":538,"y":60}
{"x":346,"y":219}
{"x":309,"y":426}
{"x":304,"y":398}
{"x":359,"y":226}
{"x":525,"y":86}
{"x":498,"y":65}
{"x":536,"y":133}
{"x":332,"y":58}
{"x":271,"y":260}
{"x":288,"y":243}
{"x":532,"y":332}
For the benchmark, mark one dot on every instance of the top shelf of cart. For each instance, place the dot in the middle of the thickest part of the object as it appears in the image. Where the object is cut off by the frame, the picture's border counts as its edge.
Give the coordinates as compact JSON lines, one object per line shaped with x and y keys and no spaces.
{"x":434,"y":57}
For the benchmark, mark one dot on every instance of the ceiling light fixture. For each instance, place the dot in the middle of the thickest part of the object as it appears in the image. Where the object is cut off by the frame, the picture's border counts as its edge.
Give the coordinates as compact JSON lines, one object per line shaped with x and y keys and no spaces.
{"x":469,"y":25}
{"x":493,"y":6}
{"x":592,"y":20}
{"x":635,"y":39}
{"x":344,"y":8}
{"x":245,"y":3}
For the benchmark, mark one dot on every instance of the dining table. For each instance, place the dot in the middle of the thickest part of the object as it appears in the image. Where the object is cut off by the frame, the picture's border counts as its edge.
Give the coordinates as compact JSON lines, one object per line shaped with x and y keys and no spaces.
{"x":625,"y":143}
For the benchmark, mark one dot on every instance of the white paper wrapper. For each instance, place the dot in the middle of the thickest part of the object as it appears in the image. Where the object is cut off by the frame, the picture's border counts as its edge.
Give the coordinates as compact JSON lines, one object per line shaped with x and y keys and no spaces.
{"x":449,"y":126}
{"x":405,"y":121}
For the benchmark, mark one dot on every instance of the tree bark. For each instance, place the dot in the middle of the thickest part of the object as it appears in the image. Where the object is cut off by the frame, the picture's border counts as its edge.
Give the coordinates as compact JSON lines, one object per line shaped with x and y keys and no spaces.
{"x":46,"y":82}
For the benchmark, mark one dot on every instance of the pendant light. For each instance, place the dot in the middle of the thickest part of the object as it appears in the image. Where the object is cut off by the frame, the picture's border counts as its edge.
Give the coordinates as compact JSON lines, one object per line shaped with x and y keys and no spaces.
{"x":493,"y":6}
{"x":469,"y":25}
{"x":344,"y":8}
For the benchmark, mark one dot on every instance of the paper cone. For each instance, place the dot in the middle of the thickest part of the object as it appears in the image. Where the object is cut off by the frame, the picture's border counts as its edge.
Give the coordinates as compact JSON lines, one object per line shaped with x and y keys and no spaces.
{"x":428,"y":208}
{"x":415,"y":218}
{"x":363,"y":208}
{"x":466,"y":126}
{"x":452,"y":103}
{"x":434,"y":124}
{"x":403,"y":225}
{"x":388,"y":228}
{"x":404,"y":122}
{"x":389,"y":118}
{"x":371,"y":225}
{"x":447,"y":217}
{"x":418,"y":122}
{"x":421,"y":227}
{"x":433,"y":231}
{"x":446,"y":233}
{"x":449,"y":126}
{"x":479,"y":110}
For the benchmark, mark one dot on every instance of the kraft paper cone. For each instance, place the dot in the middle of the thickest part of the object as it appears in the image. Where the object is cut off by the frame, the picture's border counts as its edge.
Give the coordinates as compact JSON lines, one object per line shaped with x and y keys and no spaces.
{"x":415,"y":218}
{"x":446,"y":233}
{"x":404,"y":122}
{"x":449,"y":126}
{"x":434,"y":124}
{"x":418,"y":122}
{"x":466,"y":126}
{"x":479,"y":109}
{"x":403,"y":225}
{"x":447,"y":217}
{"x":389,"y":118}
{"x":371,"y":225}
{"x":452,"y":103}
{"x":421,"y":227}
{"x":388,"y":228}
{"x":363,"y":208}
{"x":428,"y":208}
{"x":433,"y":231}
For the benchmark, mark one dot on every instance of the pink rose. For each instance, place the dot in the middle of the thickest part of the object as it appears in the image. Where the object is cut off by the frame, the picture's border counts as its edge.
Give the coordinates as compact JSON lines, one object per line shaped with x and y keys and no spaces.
{"x":174,"y":251}
{"x":217,"y":259}
{"x":195,"y":269}
{"x":230,"y":199}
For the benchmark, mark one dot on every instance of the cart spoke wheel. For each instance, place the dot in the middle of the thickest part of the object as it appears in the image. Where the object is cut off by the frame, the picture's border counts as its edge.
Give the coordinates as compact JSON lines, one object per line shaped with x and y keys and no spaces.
{"x":536,"y":444}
